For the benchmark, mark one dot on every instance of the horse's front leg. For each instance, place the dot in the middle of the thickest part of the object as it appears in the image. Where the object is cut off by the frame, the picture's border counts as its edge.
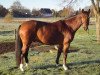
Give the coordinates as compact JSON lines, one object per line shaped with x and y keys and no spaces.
{"x":58,"y":54}
{"x":65,"y":52}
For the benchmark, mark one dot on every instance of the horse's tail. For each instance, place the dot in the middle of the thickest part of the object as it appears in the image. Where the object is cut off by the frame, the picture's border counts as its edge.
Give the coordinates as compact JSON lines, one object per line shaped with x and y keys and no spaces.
{"x":18,"y":46}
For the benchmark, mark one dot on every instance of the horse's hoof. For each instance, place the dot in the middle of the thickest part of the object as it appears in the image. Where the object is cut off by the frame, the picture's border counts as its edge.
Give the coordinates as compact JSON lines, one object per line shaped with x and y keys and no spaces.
{"x":56,"y":47}
{"x":51,"y":51}
{"x":57,"y":64}
{"x":21,"y":67}
{"x":65,"y":67}
{"x":26,"y":65}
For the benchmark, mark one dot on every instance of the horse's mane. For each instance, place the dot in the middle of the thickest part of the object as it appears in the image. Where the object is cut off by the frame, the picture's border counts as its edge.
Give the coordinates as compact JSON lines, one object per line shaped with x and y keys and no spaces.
{"x":72,"y":15}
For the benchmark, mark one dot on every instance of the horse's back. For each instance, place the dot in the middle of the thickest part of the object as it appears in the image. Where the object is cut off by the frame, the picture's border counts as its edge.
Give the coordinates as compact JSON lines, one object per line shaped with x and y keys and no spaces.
{"x":28,"y":25}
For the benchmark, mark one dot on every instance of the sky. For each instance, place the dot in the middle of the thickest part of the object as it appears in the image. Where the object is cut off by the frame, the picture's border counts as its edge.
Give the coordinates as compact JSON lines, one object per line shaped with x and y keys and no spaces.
{"x":52,"y":4}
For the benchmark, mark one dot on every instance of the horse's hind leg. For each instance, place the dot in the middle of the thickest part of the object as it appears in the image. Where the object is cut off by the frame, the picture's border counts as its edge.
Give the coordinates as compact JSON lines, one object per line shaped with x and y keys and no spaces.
{"x":24,"y":54}
{"x":58,"y":54}
{"x":26,"y":57}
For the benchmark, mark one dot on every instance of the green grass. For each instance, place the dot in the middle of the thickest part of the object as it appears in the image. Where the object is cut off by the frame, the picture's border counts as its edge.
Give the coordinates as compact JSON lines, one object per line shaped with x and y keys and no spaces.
{"x":85,"y":61}
{"x":7,"y":31}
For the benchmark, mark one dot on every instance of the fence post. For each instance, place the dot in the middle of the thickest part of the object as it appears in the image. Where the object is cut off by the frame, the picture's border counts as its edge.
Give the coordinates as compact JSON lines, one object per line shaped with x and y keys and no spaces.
{"x":15,"y":33}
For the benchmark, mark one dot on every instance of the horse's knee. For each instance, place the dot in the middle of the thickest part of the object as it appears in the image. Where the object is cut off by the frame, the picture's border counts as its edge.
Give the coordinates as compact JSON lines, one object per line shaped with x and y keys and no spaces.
{"x":24,"y":49}
{"x":23,"y":52}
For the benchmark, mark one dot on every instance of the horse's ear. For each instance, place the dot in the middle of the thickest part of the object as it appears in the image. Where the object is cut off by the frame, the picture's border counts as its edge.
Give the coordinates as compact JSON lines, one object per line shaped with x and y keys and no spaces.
{"x":89,"y":10}
{"x":82,"y":10}
{"x":76,"y":12}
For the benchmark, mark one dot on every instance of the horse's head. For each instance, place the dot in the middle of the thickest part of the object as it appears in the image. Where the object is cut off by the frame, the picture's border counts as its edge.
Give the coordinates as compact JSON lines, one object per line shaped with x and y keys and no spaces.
{"x":85,"y":18}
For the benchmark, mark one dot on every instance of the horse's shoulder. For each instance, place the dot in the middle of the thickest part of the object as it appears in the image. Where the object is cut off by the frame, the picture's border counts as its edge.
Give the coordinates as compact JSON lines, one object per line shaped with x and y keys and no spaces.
{"x":68,"y":37}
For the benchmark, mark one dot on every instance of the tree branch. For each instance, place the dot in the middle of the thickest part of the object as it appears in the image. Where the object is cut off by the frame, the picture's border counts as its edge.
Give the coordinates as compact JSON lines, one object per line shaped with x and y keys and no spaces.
{"x":94,"y":7}
{"x":97,"y":2}
{"x":70,"y":1}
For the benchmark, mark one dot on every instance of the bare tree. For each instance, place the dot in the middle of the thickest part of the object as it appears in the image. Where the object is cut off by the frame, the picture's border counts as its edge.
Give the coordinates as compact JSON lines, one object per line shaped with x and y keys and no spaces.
{"x":19,"y":10}
{"x":16,"y":6}
{"x":35,"y":12}
{"x":96,"y":10}
{"x":3,"y":11}
{"x":66,"y":11}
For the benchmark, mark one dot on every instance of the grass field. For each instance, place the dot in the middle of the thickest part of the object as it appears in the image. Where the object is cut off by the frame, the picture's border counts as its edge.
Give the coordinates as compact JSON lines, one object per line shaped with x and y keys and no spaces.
{"x":83,"y":60}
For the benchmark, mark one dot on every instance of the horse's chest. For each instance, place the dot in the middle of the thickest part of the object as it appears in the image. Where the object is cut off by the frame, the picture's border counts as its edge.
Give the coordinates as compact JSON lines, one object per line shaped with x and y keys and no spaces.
{"x":68,"y":37}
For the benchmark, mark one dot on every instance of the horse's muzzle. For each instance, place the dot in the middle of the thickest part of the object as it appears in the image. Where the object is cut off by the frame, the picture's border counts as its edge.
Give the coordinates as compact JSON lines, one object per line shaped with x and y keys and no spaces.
{"x":85,"y":28}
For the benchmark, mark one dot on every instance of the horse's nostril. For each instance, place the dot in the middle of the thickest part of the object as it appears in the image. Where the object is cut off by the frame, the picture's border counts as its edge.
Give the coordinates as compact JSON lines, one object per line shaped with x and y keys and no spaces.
{"x":85,"y":28}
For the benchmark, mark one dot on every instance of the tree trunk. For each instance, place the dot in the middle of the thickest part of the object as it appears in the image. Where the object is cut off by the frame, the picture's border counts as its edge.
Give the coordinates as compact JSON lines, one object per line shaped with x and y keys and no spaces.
{"x":98,"y":27}
{"x":96,"y":11}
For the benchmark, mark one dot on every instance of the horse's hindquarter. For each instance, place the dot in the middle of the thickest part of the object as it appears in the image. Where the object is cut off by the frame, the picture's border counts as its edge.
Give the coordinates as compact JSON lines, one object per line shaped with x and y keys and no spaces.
{"x":27,"y":31}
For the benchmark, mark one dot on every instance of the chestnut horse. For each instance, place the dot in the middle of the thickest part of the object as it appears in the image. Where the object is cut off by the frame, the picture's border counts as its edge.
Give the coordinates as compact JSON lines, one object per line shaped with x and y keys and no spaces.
{"x":60,"y":32}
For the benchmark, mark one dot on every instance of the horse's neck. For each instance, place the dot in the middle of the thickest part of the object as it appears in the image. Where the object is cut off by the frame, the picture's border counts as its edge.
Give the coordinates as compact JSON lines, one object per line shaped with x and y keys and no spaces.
{"x":74,"y":23}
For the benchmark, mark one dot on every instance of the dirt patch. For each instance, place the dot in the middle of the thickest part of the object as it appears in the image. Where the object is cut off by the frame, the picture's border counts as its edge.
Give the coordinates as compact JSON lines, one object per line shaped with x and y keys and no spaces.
{"x":36,"y":46}
{"x":10,"y":47}
{"x":7,"y":47}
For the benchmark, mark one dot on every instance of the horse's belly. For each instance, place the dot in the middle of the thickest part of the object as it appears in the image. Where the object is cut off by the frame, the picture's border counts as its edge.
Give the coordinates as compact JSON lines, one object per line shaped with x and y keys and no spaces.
{"x":50,"y":38}
{"x":51,"y":41}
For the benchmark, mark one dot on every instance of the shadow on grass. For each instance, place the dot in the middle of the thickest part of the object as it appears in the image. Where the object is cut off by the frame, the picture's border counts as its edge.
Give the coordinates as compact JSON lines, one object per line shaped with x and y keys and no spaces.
{"x":1,"y":73}
{"x":5,"y":33}
{"x":69,"y":64}
{"x":13,"y":68}
{"x":45,"y":66}
{"x":84,"y":62}
{"x":73,"y":50}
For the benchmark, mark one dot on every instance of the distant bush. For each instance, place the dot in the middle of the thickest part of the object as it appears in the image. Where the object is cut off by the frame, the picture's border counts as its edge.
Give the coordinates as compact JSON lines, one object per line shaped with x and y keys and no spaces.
{"x":8,"y":17}
{"x":3,"y":11}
